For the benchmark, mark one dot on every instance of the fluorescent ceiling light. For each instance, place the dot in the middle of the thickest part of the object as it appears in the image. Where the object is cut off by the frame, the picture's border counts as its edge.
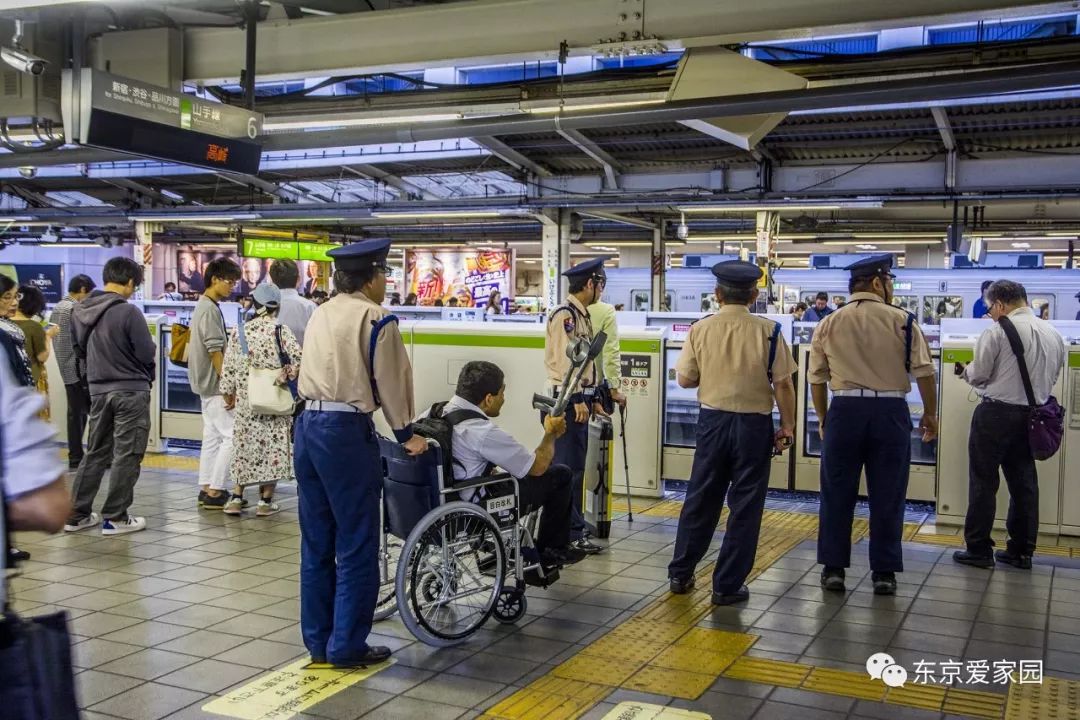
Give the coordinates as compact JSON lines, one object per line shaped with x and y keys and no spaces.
{"x":823,"y":236}
{"x":1021,"y":245}
{"x":866,"y":247}
{"x":433,"y":214}
{"x":64,"y":246}
{"x":299,"y":220}
{"x":621,"y":243}
{"x":171,"y":194}
{"x":881,"y":242}
{"x":696,"y":239}
{"x":736,"y":207}
{"x":568,"y":107}
{"x":20,"y":218}
{"x":356,"y":121}
{"x":188,"y":217}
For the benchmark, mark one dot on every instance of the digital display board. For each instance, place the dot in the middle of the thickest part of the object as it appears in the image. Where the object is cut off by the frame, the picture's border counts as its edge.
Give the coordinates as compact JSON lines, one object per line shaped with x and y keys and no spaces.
{"x":285,"y":249}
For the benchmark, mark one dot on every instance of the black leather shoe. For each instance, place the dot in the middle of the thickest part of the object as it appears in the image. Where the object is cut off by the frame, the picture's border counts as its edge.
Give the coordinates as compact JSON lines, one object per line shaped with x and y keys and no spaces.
{"x":967,"y":558}
{"x":884,"y":583}
{"x":1023,"y":562}
{"x":18,"y":555}
{"x":587,"y":547}
{"x":740,"y":595}
{"x":832,"y":579}
{"x":375,"y":655}
{"x":562,"y":557}
{"x":681,"y":586}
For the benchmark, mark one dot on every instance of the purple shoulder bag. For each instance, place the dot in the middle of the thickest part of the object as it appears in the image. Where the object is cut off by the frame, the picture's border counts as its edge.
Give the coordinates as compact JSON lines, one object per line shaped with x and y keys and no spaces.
{"x":1046,"y":424}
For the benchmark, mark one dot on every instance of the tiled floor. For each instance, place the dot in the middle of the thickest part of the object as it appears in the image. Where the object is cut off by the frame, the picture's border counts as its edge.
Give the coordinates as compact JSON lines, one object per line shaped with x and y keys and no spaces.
{"x":202,"y":603}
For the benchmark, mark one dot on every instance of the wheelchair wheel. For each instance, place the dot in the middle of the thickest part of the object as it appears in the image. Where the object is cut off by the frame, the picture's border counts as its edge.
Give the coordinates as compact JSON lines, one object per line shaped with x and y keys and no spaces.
{"x":511,"y":606}
{"x":443,"y":594}
{"x":389,"y":552}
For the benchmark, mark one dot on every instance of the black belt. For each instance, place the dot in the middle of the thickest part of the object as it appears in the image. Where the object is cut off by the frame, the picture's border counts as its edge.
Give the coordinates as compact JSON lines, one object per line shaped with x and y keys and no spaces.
{"x":1002,"y":403}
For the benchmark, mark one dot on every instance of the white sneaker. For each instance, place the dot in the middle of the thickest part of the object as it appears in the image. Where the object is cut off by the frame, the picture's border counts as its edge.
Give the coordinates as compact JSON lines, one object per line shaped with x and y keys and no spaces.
{"x":93,"y":520}
{"x":265,"y":509}
{"x":235,"y":506}
{"x":122,"y":527}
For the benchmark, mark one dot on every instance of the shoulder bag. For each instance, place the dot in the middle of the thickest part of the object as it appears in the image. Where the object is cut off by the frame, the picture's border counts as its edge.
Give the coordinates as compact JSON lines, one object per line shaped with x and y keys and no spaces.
{"x":1046,"y":424}
{"x":265,"y":395}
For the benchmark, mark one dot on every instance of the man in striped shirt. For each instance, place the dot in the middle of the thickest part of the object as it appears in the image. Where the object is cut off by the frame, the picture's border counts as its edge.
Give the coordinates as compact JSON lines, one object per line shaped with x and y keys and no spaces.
{"x":71,"y":370}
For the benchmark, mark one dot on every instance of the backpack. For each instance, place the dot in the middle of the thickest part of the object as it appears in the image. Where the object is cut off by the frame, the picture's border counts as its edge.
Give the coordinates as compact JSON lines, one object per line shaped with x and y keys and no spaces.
{"x":440,"y":428}
{"x":180,"y":336}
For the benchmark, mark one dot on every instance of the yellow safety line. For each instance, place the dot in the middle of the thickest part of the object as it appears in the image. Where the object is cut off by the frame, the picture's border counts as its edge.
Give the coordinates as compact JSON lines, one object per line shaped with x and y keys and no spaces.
{"x":289,"y":690}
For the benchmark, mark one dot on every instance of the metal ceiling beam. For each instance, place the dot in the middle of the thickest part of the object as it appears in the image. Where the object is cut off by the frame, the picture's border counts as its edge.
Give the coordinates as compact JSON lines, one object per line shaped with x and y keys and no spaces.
{"x":941,"y":119}
{"x":509,"y":155}
{"x":612,"y":167}
{"x":138,"y":187}
{"x":258,"y":183}
{"x":508,"y":30}
{"x":374,"y":173}
{"x":616,"y":217}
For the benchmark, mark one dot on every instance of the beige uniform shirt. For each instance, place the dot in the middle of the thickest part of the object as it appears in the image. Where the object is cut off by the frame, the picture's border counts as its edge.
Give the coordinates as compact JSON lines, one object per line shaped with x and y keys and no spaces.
{"x":728,"y":355}
{"x":862,"y":346}
{"x":340,"y":365}
{"x":564,"y":327}
{"x":602,"y":317}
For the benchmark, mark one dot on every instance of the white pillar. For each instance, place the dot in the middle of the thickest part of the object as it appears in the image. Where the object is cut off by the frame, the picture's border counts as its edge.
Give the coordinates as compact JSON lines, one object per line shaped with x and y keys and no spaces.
{"x":554,"y":255}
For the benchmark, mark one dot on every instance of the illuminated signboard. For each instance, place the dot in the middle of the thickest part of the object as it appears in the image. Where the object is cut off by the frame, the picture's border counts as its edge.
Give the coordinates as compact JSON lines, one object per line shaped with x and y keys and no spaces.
{"x":285,"y":249}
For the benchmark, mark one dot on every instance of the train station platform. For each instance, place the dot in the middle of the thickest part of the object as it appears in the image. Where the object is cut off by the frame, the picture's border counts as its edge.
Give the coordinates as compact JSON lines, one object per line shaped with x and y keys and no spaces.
{"x":197,"y":617}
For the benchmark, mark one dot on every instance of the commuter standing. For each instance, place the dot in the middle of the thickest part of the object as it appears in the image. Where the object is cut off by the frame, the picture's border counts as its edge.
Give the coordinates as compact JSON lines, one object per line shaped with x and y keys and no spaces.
{"x":72,"y":371}
{"x":28,"y":317}
{"x":295,"y":311}
{"x":819,"y":310}
{"x":866,"y":353}
{"x":262,"y":444}
{"x":170,"y":293}
{"x":739,"y":364}
{"x":206,"y":358}
{"x":567,"y":324}
{"x":999,"y":428}
{"x":602,"y":317}
{"x":120,"y":357}
{"x":354,"y":363}
{"x":982,"y":306}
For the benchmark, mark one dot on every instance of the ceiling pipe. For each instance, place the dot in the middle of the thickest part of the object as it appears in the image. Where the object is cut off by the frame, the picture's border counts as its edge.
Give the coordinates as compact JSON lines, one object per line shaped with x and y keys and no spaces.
{"x":964,"y":84}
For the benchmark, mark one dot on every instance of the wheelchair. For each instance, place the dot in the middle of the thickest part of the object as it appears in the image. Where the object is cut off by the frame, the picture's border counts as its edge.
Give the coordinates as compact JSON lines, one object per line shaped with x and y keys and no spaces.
{"x":447,"y":565}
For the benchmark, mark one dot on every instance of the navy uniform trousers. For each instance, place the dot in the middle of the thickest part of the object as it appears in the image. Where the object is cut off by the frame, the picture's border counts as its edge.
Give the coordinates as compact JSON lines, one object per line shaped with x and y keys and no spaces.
{"x":875,"y":433}
{"x":732,"y":459}
{"x":338,"y":474}
{"x":570,"y":451}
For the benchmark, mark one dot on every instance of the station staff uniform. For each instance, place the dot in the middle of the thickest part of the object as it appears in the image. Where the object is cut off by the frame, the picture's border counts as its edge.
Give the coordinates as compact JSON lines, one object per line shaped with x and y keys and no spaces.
{"x":861,"y":351}
{"x":354,"y":363}
{"x":734,"y":356}
{"x":566,"y":324}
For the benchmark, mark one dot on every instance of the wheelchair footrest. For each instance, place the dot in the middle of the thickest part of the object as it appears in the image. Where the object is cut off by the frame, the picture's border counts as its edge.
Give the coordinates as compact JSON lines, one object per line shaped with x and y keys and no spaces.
{"x":541,"y":578}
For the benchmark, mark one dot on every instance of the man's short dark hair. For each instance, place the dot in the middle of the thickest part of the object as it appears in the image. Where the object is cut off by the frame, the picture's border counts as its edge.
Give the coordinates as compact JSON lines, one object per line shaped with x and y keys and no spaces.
{"x":222,"y":268}
{"x":119,"y":270}
{"x":985,"y":284}
{"x":285,"y":274}
{"x":863,"y":283}
{"x":577,"y":283}
{"x":731,"y":295}
{"x":1007,"y":292}
{"x":31,"y":301}
{"x":350,"y":281}
{"x":81,"y":283}
{"x":170,"y":286}
{"x":822,"y":296}
{"x":478,"y":379}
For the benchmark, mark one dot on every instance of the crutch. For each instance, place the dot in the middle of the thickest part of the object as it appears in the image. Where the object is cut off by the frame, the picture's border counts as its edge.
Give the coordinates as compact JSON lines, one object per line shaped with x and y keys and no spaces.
{"x":626,"y":460}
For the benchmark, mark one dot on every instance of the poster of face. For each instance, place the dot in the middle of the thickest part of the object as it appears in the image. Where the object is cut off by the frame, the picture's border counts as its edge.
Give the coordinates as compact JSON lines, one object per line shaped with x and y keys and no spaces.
{"x":190,"y":265}
{"x":469,"y":276}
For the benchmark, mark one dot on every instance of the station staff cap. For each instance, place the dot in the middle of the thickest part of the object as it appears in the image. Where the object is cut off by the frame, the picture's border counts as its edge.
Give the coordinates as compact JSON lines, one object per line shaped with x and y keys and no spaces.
{"x":587,"y":268}
{"x":873,"y":265}
{"x":361,"y":255}
{"x":737,"y":273}
{"x":267,"y":295}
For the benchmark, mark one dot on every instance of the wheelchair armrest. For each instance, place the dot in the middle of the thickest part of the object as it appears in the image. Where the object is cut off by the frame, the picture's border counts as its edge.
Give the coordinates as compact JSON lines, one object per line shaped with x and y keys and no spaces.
{"x":479,"y":481}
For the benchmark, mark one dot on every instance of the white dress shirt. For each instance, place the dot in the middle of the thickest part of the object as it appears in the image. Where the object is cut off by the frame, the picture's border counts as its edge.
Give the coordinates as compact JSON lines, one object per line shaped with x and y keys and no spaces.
{"x":479,"y":442}
{"x":295,"y":312}
{"x":995,"y":373}
{"x":28,"y":457}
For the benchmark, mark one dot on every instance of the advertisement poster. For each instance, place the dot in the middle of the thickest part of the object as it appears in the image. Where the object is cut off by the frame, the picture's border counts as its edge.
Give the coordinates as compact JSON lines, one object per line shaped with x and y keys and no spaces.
{"x":190,"y":265}
{"x":468,"y":275}
{"x":49,"y":279}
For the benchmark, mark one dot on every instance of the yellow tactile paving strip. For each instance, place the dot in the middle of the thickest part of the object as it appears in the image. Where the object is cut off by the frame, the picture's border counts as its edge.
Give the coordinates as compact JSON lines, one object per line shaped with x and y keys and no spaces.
{"x":662,"y":651}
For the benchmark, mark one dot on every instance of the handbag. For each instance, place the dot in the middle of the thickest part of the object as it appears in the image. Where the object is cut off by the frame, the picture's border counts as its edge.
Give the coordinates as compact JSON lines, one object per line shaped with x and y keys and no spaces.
{"x":1046,"y":422}
{"x":35,"y":655}
{"x":265,"y":395}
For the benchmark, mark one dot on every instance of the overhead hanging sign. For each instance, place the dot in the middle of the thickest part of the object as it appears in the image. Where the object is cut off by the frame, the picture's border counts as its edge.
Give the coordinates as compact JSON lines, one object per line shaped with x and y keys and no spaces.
{"x":131,"y":116}
{"x":286,"y":249}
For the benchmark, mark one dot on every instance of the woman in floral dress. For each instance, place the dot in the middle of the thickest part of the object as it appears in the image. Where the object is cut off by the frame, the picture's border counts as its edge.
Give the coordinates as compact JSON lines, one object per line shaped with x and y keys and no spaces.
{"x":262,"y":444}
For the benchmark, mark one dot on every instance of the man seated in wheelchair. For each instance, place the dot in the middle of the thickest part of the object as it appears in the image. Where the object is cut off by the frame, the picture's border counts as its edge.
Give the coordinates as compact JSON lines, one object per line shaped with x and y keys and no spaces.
{"x":479,"y":447}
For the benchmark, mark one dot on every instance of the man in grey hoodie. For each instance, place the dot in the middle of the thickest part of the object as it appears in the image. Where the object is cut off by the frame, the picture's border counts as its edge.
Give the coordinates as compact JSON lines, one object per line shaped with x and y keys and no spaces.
{"x":120,"y":354}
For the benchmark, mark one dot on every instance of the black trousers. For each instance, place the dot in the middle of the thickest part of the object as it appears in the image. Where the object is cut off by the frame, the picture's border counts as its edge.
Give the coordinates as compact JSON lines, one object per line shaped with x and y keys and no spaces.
{"x":78,"y":413}
{"x":570,"y":450}
{"x":732,"y":459}
{"x":550,"y":491}
{"x":998,"y":443}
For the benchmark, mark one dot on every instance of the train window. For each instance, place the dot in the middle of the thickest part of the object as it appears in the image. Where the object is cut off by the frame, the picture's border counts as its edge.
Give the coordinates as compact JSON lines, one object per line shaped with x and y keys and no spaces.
{"x":640,"y":300}
{"x":709,"y":303}
{"x":907,"y":302}
{"x":1043,"y":305}
{"x":936,"y":307}
{"x":669,"y":302}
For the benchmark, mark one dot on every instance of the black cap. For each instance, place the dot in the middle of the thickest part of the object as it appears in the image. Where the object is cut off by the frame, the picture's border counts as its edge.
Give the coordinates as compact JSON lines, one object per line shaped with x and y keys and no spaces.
{"x":873,"y":265}
{"x":737,"y":273}
{"x":587,"y":268}
{"x":361,"y":255}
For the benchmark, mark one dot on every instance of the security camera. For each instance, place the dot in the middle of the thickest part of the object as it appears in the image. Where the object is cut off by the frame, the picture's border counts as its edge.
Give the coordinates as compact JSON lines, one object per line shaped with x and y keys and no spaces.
{"x":28,"y":171}
{"x":23,"y":61}
{"x":682,"y":231}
